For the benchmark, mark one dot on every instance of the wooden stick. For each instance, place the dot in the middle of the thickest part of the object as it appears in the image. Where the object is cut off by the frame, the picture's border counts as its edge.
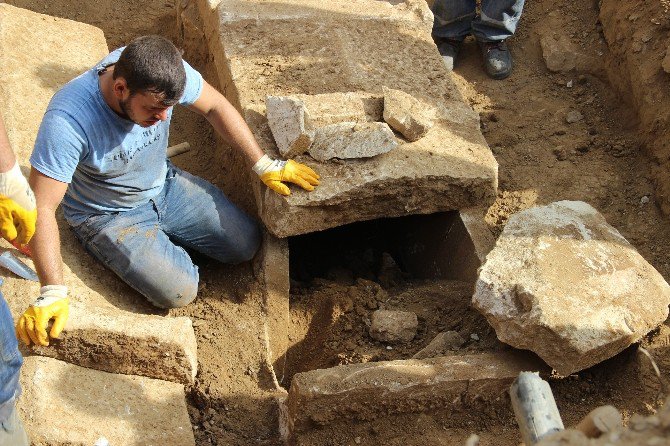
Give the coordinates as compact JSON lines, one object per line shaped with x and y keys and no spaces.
{"x":534,"y":407}
{"x":178,"y":149}
{"x":599,"y":421}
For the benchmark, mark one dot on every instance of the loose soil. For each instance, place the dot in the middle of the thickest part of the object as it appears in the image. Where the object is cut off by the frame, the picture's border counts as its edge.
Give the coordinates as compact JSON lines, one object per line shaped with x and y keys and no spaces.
{"x":598,"y":159}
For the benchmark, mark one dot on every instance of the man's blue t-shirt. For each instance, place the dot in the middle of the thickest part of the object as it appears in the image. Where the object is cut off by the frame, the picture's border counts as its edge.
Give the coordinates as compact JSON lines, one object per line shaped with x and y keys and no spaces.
{"x":110,"y":163}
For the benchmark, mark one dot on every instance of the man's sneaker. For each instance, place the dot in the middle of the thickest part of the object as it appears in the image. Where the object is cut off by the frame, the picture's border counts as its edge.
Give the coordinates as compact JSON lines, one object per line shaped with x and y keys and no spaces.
{"x":449,"y":49}
{"x":497,"y":59}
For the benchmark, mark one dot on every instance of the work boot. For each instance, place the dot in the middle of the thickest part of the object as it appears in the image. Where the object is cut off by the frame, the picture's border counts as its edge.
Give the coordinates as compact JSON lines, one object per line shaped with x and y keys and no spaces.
{"x":12,"y":432}
{"x":497,"y":59}
{"x":449,"y":49}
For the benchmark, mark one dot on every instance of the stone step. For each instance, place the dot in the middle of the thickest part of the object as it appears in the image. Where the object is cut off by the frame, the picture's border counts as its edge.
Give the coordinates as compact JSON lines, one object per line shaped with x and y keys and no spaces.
{"x":350,"y":46}
{"x":64,"y":404}
{"x":364,"y":392}
{"x":107,"y":328}
{"x":122,"y":342}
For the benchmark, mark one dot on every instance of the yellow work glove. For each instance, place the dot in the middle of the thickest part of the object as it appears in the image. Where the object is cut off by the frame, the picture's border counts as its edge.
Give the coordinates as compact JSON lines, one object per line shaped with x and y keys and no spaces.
{"x":52,"y":303}
{"x":275,"y":172}
{"x":17,"y":207}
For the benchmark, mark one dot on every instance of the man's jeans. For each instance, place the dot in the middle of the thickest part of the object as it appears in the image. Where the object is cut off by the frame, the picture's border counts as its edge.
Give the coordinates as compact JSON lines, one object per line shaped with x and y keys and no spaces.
{"x":11,"y":363}
{"x":455,"y":19}
{"x":145,"y":246}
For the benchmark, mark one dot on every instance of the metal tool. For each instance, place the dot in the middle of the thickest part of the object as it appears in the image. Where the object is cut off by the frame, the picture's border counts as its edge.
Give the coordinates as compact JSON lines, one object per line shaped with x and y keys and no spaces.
{"x":12,"y":263}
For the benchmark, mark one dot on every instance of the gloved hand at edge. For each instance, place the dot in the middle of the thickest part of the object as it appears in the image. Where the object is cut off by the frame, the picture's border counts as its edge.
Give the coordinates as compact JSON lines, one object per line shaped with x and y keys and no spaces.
{"x":52,"y":303}
{"x":18,"y":212}
{"x":275,"y":172}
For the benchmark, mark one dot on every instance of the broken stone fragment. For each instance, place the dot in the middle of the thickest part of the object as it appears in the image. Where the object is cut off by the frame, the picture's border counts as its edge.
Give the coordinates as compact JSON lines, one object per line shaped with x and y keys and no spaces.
{"x":441,"y":345}
{"x":566,"y":285}
{"x":406,"y":114}
{"x":333,"y":108}
{"x":573,"y":116}
{"x":290,"y":125}
{"x":393,"y":326}
{"x":352,"y":140}
{"x":666,"y":61}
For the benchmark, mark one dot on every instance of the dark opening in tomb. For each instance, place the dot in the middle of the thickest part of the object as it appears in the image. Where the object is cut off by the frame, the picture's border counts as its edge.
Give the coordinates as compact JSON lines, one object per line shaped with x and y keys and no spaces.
{"x":421,"y":264}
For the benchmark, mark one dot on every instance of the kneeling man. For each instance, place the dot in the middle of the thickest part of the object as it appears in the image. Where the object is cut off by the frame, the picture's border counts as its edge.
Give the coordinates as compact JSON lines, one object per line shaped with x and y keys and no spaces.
{"x":101,"y":151}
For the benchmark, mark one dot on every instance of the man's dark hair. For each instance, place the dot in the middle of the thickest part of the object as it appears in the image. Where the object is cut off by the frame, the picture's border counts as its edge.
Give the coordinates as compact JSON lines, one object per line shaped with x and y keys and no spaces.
{"x":152,"y":64}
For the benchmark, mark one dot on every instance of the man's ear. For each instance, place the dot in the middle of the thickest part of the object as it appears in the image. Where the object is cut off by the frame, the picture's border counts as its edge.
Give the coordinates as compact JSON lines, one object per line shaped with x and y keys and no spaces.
{"x":120,"y":88}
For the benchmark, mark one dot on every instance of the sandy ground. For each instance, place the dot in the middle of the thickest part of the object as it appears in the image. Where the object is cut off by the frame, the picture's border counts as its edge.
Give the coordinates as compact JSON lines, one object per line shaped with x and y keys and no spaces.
{"x":542,"y":158}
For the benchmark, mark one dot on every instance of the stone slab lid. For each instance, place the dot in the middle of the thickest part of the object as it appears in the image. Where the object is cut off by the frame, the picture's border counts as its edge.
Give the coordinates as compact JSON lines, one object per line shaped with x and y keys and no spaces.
{"x":309,"y":47}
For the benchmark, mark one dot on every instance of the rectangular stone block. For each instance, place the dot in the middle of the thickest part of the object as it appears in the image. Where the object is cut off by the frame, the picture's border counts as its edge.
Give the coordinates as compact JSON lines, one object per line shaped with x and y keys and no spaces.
{"x":343,"y":46}
{"x":368,"y":391}
{"x":122,"y":342}
{"x":64,"y":404}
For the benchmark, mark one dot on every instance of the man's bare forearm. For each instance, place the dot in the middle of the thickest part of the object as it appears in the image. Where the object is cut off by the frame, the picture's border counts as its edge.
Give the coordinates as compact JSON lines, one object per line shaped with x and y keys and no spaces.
{"x":45,"y":248}
{"x":7,"y":158}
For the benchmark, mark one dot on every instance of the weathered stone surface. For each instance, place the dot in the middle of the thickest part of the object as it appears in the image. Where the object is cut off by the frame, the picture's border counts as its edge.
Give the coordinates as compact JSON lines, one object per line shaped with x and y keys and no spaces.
{"x":442,"y":344}
{"x":271,"y":268}
{"x":375,"y":390}
{"x":122,"y":342}
{"x":342,"y":46}
{"x":406,"y":115}
{"x":560,"y":53}
{"x":563,"y":283}
{"x":290,"y":125}
{"x":332,"y":108}
{"x":28,"y":70}
{"x":393,"y":326}
{"x":64,"y":404}
{"x":352,"y":140}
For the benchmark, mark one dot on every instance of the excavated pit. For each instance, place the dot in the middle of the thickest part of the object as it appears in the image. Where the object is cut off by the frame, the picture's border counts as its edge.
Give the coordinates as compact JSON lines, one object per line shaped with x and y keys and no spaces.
{"x":423,"y":264}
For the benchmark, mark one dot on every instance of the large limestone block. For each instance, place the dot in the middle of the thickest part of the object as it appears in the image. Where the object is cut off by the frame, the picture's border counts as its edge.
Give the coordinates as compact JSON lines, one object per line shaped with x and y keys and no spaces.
{"x":311,"y":47}
{"x":64,"y":404}
{"x":563,"y":283}
{"x":352,"y":140}
{"x":379,"y":389}
{"x":30,"y":74}
{"x":122,"y":342}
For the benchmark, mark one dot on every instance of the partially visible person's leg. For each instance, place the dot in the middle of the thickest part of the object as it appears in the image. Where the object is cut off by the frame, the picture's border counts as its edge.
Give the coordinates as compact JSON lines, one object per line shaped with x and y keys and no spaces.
{"x":198,"y":215}
{"x":497,"y":22}
{"x":133,"y":245}
{"x":12,"y":432}
{"x":452,"y":24}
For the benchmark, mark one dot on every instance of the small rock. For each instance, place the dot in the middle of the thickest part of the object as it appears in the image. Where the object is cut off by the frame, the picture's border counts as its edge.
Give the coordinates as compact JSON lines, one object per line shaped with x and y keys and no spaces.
{"x":357,"y":440}
{"x":666,"y":61}
{"x":560,"y":153}
{"x":644,"y":200}
{"x":393,"y":326}
{"x":406,"y":114}
{"x":573,"y":116}
{"x":474,"y":337}
{"x":569,"y":84}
